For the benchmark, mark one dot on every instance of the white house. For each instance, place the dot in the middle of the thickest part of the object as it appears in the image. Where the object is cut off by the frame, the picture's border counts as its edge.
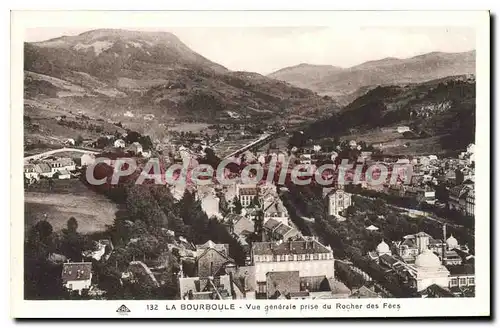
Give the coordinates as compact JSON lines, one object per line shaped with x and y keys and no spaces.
{"x":62,"y":164}
{"x":338,"y":201}
{"x":77,"y":276}
{"x":64,"y":175}
{"x":119,"y":143}
{"x":30,"y":172}
{"x":403,"y":129}
{"x":70,"y":142}
{"x":308,"y":256}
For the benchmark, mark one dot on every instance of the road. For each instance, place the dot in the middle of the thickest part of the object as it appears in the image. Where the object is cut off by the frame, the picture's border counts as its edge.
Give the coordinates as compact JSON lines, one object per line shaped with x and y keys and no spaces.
{"x":264,"y":139}
{"x":60,"y":150}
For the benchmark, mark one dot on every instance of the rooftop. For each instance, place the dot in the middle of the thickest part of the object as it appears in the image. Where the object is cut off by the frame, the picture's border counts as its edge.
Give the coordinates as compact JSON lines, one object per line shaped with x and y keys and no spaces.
{"x":271,"y":224}
{"x":290,"y":247}
{"x":76,"y":271}
{"x":459,"y":270}
{"x":248,"y":191}
{"x":282,"y":229}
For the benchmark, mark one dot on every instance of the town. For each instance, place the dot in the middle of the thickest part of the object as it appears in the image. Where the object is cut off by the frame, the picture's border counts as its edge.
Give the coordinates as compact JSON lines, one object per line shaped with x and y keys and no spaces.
{"x":265,"y":240}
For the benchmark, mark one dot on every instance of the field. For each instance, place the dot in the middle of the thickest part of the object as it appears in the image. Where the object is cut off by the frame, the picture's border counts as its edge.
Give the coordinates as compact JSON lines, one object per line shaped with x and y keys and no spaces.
{"x":393,"y":143}
{"x":68,"y":198}
{"x":189,"y":127}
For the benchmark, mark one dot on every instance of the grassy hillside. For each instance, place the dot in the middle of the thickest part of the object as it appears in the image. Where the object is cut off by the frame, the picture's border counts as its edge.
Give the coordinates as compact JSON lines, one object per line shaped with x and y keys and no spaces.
{"x":123,"y":76}
{"x":440,"y":114}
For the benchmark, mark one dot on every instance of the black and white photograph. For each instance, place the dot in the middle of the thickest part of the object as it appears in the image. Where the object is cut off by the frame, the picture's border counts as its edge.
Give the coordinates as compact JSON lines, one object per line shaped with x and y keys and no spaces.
{"x":267,"y":169}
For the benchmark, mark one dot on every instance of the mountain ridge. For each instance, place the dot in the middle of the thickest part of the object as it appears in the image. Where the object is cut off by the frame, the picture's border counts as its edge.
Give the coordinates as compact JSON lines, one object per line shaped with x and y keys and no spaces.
{"x":123,"y":75}
{"x":340,"y":83}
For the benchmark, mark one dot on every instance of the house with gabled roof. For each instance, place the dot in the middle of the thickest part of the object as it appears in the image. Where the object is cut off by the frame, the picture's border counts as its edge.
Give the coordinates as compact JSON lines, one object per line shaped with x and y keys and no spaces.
{"x":44,"y":170}
{"x":274,"y":230}
{"x":77,"y":276}
{"x":212,"y":259}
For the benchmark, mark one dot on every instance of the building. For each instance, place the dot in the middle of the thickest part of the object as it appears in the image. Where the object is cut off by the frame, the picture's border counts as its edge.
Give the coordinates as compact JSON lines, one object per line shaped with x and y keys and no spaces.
{"x":101,"y":247}
{"x":30,"y":172}
{"x":364,"y":292}
{"x":403,"y":129}
{"x":212,"y":263}
{"x":383,"y":249}
{"x":458,"y":199}
{"x":338,"y":202}
{"x":307,"y":256}
{"x":240,"y":225}
{"x":435,"y":291}
{"x":461,"y":277}
{"x":422,"y":195}
{"x":222,"y":248}
{"x":63,"y":175}
{"x":275,"y":210}
{"x":136,"y":148}
{"x":77,"y":276}
{"x":413,"y":245}
{"x":428,"y":271}
{"x":62,"y":164}
{"x":247,"y":194}
{"x":282,"y":284}
{"x":274,"y":230}
{"x":212,"y":259}
{"x":305,"y":159}
{"x":119,"y":143}
{"x":290,"y":285}
{"x":44,"y":170}
{"x":207,"y":288}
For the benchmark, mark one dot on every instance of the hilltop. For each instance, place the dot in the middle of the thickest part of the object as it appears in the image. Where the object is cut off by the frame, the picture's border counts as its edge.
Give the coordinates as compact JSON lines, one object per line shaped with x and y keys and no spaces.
{"x":120,"y":76}
{"x":439,"y":113}
{"x":342,"y":82}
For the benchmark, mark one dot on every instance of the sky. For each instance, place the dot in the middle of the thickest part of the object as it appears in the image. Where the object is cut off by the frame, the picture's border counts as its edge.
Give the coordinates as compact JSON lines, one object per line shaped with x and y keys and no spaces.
{"x":267,"y":49}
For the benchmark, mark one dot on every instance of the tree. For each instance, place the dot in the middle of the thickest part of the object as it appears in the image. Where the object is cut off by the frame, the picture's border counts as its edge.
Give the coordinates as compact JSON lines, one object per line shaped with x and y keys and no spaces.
{"x":72,"y":225}
{"x":142,"y":206}
{"x":237,"y":205}
{"x":185,"y":207}
{"x":132,"y":136}
{"x":51,"y":183}
{"x":167,"y":204}
{"x":146,"y":142}
{"x":72,"y":244}
{"x":78,"y":140}
{"x":40,"y":240}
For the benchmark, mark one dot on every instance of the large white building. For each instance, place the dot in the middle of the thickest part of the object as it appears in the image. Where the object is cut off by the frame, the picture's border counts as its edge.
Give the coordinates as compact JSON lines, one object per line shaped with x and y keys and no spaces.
{"x":62,"y":164}
{"x":308,"y":256}
{"x":428,"y":271}
{"x":338,"y":201}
